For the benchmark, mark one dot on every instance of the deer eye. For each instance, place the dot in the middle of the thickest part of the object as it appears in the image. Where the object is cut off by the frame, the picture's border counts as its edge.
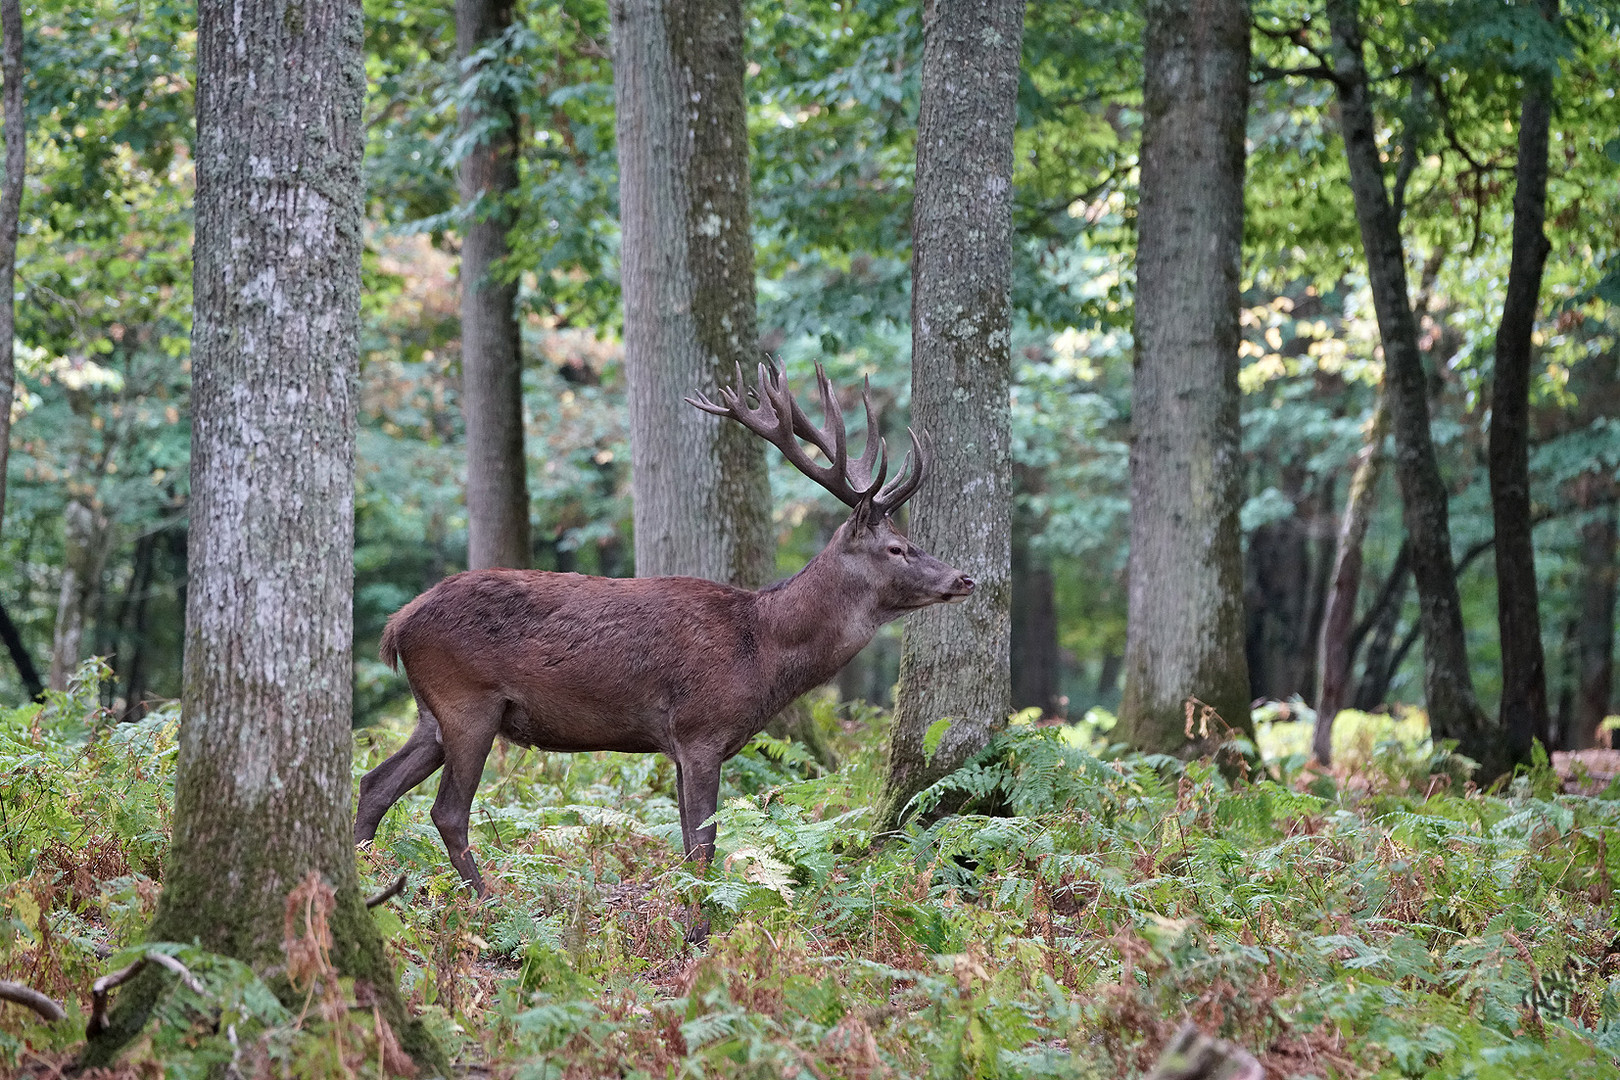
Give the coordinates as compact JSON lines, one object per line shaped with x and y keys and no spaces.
{"x":896,"y":549}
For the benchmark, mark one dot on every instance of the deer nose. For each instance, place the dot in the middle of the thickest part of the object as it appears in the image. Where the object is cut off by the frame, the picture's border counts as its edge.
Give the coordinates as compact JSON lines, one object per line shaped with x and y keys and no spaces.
{"x":964,"y":583}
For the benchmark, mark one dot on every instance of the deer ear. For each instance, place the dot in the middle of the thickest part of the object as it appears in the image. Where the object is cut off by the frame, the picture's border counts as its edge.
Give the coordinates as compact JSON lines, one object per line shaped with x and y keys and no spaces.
{"x":865,"y":516}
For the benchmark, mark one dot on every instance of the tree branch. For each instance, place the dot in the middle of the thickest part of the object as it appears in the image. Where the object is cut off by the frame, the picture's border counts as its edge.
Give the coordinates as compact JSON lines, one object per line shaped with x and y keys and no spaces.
{"x":29,"y":997}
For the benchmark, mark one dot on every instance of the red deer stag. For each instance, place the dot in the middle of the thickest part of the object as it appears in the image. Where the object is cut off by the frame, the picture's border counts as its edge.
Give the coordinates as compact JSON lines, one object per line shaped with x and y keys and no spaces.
{"x":673,"y":665}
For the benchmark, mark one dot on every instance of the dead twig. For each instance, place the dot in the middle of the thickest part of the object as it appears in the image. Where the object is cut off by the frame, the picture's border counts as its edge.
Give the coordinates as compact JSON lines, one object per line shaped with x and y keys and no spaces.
{"x":107,"y":983}
{"x":28,"y":997}
{"x":389,"y":893}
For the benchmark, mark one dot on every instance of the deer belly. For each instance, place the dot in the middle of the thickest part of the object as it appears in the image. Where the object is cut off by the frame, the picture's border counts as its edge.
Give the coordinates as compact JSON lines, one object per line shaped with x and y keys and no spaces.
{"x":584,"y":726}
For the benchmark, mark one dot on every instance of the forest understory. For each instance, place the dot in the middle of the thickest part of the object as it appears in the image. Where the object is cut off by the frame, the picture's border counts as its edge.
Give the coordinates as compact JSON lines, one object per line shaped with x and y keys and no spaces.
{"x":1380,"y":919}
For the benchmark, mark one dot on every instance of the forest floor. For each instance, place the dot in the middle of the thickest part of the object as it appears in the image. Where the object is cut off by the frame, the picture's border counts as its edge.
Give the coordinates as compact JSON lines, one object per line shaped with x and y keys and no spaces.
{"x":1381,"y":919}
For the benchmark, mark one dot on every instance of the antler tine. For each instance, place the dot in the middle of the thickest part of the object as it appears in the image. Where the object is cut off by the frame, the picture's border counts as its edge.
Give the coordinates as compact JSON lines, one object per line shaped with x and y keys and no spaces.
{"x":906,"y":482}
{"x":780,"y":421}
{"x":874,"y":453}
{"x":728,"y":397}
{"x":829,"y":438}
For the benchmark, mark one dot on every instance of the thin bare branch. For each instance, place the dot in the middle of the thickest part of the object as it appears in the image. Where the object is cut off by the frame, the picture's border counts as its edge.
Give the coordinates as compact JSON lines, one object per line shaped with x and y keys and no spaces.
{"x":389,"y":893}
{"x":108,"y":983}
{"x":30,"y":998}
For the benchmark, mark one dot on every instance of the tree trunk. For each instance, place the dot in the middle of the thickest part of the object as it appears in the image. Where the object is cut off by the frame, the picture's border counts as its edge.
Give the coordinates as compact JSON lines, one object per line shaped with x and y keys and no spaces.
{"x":84,"y":545}
{"x":701,"y":493}
{"x":955,"y":659}
{"x":1333,"y":653}
{"x":1454,"y":712}
{"x":11,"y":192}
{"x":140,"y":592}
{"x":1277,"y":592}
{"x":263,"y":782}
{"x":1184,"y":636}
{"x":491,"y":351}
{"x":1036,"y":672}
{"x":1377,"y":628}
{"x":1523,"y":714}
{"x":1594,"y":631}
{"x":24,"y":663}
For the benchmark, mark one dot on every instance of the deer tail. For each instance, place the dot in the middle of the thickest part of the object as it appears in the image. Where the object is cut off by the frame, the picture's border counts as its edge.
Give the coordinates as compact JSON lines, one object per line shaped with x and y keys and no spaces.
{"x":390,"y":641}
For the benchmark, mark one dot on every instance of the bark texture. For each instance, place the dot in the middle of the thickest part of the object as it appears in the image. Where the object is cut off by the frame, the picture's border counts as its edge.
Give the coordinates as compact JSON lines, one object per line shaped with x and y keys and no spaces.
{"x":1523,"y":714}
{"x":11,"y":191}
{"x":1334,"y":651}
{"x":1186,"y":618}
{"x":1454,"y":711}
{"x":263,"y":781}
{"x":955,"y":661}
{"x":702,"y":496}
{"x":491,"y":354}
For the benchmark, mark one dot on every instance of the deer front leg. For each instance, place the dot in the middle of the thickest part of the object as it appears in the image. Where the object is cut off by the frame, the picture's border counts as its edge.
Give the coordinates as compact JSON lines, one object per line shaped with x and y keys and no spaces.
{"x":697,"y":790}
{"x":699,"y":782}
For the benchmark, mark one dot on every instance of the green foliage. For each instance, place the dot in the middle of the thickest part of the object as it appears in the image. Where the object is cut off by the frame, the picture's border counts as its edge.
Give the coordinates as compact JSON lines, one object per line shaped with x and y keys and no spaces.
{"x":1387,"y":924}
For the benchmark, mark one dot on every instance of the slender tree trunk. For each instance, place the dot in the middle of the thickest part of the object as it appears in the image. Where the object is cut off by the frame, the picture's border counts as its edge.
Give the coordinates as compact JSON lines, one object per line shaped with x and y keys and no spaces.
{"x":1108,"y":673}
{"x":263,"y":783}
{"x":1036,"y":659}
{"x":1322,"y":544}
{"x":1277,"y":592}
{"x":136,"y":601}
{"x":1333,"y":653}
{"x":26,"y":671}
{"x":11,"y":192}
{"x":702,"y":496}
{"x":1036,"y":670}
{"x":84,"y":544}
{"x":1523,"y":713}
{"x":1184,"y":636}
{"x":955,"y":660}
{"x":1454,"y":712}
{"x":491,"y":351}
{"x":1594,"y":631}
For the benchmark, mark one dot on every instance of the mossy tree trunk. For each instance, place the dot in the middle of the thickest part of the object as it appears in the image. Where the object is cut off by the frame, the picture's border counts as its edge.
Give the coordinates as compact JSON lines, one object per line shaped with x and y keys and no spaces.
{"x":955,"y":658}
{"x":1184,"y":635}
{"x":262,"y":784}
{"x":1448,"y":684}
{"x":1523,"y":713}
{"x":702,"y":496}
{"x":491,"y":352}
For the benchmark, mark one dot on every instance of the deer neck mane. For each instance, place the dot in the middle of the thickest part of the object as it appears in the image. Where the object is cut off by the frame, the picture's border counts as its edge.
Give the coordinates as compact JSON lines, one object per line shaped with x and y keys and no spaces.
{"x":817,"y":620}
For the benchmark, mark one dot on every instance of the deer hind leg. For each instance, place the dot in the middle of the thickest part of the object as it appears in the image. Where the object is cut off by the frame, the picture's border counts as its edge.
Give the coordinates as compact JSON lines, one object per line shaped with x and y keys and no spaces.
{"x":405,"y":768}
{"x":468,"y":731}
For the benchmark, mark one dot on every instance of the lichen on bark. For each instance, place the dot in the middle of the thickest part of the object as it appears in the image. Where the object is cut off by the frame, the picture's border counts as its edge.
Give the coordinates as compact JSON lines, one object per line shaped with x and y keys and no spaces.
{"x":955,"y":660}
{"x":262,"y":784}
{"x":1184,"y":637}
{"x":701,"y":492}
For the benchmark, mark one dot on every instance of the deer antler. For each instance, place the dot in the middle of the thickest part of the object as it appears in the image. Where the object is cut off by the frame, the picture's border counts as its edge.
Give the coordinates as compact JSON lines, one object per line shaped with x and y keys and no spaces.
{"x":780,"y":421}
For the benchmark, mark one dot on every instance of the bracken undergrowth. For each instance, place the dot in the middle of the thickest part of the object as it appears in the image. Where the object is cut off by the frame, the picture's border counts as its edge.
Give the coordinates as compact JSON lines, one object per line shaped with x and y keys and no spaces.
{"x":1383,"y":919}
